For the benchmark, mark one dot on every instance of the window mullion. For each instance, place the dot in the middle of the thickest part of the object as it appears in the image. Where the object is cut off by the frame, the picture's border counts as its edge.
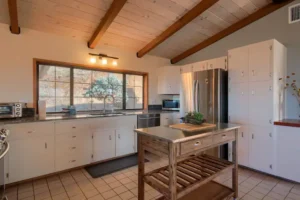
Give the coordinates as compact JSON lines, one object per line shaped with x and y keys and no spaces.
{"x":72,"y":86}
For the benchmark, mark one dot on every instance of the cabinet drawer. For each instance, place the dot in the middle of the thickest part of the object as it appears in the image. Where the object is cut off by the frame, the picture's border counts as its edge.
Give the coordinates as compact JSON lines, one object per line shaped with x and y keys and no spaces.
{"x":65,"y":162}
{"x":27,"y":130}
{"x":196,"y":144}
{"x":71,"y":126}
{"x":222,"y":137}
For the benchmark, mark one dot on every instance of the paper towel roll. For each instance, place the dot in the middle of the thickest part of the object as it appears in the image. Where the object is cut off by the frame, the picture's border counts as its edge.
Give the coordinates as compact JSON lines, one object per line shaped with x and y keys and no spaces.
{"x":42,"y":109}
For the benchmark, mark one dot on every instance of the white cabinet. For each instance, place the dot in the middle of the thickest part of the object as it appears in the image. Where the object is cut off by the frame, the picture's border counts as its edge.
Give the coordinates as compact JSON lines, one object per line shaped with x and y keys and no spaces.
{"x":212,"y":64}
{"x":238,"y":65}
{"x":238,"y":104}
{"x":260,"y":57}
{"x":255,"y":100}
{"x":168,"y":80}
{"x":166,"y":119}
{"x":261,"y":154}
{"x":243,"y":146}
{"x":125,"y":141}
{"x":31,"y":150}
{"x":104,"y":144}
{"x":186,"y":68}
{"x":287,"y":156}
{"x":221,"y":63}
{"x":261,"y":103}
{"x":73,"y":141}
{"x":113,"y":136}
{"x":199,"y":66}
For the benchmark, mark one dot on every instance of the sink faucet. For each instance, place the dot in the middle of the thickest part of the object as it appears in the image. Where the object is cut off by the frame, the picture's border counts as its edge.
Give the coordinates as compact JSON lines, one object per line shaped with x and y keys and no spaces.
{"x":109,"y":95}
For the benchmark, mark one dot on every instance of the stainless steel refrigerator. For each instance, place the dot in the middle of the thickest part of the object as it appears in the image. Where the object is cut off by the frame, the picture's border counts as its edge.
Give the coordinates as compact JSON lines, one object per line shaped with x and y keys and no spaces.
{"x":209,"y":96}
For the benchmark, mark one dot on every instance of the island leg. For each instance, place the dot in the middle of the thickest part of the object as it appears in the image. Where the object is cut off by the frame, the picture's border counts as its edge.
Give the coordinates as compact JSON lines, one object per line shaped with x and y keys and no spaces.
{"x":235,"y":171}
{"x":141,"y":169}
{"x":172,"y":171}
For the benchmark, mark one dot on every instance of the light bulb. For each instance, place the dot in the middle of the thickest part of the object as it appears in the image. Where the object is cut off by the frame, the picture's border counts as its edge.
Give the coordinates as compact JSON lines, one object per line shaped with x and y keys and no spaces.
{"x":115,"y":63}
{"x":104,"y":61}
{"x":93,"y":60}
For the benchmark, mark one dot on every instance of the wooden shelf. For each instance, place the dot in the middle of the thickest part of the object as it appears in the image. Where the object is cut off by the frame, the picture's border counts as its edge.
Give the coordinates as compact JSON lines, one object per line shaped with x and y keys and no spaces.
{"x":192,"y":173}
{"x":209,"y":191}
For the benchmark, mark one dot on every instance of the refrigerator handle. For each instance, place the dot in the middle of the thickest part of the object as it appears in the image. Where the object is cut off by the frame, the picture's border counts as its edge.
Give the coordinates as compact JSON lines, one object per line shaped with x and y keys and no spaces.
{"x":197,"y":96}
{"x":194,"y":94}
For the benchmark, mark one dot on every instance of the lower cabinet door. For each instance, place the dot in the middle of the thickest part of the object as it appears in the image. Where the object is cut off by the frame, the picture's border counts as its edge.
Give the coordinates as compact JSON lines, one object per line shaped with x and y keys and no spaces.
{"x":31,"y":158}
{"x":125,"y":141}
{"x":261,"y":156}
{"x":243,"y":146}
{"x":84,"y":149}
{"x":104,"y":144}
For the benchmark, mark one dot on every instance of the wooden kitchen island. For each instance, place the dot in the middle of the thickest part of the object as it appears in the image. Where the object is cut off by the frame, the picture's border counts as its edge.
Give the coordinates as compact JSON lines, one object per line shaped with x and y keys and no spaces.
{"x":190,"y":173}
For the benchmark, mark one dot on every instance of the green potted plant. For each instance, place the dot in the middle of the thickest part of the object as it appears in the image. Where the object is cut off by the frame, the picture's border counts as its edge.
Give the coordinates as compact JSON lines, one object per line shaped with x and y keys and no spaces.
{"x":195,"y":118}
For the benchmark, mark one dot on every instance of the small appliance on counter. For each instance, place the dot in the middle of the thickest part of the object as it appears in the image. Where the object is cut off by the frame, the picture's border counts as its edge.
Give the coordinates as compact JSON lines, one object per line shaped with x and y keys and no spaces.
{"x":10,"y":110}
{"x":170,"y":105}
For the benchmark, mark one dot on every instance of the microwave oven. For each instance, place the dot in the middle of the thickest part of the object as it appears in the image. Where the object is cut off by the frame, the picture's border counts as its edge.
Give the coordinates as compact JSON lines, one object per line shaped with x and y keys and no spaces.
{"x":10,"y":110}
{"x":170,"y":104}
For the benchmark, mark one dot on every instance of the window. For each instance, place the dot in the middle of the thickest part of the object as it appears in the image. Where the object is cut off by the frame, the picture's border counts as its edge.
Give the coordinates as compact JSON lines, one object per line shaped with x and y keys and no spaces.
{"x":86,"y":89}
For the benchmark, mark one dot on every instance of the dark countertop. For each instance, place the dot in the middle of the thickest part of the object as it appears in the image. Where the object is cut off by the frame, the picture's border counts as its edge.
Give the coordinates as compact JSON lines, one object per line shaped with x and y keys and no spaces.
{"x":175,"y":135}
{"x":288,"y":122}
{"x":57,"y":117}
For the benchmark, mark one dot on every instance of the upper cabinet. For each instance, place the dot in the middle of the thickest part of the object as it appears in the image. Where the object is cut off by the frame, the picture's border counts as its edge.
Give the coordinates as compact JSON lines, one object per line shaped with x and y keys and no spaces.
{"x":199,"y":66}
{"x":260,"y":60}
{"x":216,"y":63}
{"x":238,"y":62}
{"x":168,"y":80}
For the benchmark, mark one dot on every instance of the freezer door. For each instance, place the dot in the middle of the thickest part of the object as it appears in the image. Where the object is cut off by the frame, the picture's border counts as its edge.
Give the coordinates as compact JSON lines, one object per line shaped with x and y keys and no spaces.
{"x":201,"y":92}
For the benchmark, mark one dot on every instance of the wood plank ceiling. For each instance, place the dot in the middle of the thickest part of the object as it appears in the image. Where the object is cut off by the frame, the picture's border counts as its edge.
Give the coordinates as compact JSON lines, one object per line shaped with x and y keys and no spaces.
{"x":138,"y":23}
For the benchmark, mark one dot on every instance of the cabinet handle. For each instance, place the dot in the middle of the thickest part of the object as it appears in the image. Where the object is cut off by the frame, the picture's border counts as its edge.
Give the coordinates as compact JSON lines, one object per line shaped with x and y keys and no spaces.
{"x":197,"y":143}
{"x":224,"y":136}
{"x":270,"y":121}
{"x":74,"y":136}
{"x":119,"y":136}
{"x":74,"y":127}
{"x":46,"y":145}
{"x":243,"y":73}
{"x":252,"y":136}
{"x":270,"y":88}
{"x":73,"y":147}
{"x":110,"y":137}
{"x":270,"y":134}
{"x":242,"y":134}
{"x":73,"y":161}
{"x":253,"y":72}
{"x":29,"y":132}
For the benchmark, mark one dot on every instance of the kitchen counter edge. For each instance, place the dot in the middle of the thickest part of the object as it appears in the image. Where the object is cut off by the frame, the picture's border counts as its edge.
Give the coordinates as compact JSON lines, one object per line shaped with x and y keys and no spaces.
{"x":288,"y":122}
{"x":70,"y":117}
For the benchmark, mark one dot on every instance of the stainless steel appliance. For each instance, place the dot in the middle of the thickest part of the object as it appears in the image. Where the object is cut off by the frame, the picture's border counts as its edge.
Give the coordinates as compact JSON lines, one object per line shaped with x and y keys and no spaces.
{"x":10,"y":110}
{"x":148,"y":120}
{"x":170,"y":104}
{"x":209,"y":96}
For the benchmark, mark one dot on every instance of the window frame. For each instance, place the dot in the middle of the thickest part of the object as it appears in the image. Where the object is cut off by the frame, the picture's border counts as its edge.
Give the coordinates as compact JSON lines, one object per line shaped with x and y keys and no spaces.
{"x":72,"y":66}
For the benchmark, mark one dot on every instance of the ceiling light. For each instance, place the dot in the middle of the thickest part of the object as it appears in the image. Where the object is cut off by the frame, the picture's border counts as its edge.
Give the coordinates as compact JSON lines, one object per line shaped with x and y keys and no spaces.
{"x":93,"y":60}
{"x":115,"y":63}
{"x":104,"y":61}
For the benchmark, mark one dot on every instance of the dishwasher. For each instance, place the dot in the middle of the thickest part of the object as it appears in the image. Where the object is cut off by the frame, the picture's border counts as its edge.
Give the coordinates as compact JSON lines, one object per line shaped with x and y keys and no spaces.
{"x":148,"y":120}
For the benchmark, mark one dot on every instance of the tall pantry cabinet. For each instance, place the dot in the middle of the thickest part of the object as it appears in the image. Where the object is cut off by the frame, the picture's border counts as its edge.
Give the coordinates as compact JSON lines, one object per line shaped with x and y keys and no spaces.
{"x":256,"y":100}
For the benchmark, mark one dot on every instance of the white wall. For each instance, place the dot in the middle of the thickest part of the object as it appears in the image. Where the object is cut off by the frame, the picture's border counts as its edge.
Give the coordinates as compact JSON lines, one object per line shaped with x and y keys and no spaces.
{"x":17,"y":53}
{"x":272,"y":26}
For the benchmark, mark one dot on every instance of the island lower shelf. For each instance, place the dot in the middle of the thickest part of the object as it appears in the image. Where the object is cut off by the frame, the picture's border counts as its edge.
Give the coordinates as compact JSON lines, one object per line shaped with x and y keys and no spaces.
{"x":193,"y":176}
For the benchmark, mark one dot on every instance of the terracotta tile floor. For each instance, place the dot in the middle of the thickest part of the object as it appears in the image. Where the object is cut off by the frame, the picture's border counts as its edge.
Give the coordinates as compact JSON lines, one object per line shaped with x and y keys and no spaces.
{"x":122,"y":185}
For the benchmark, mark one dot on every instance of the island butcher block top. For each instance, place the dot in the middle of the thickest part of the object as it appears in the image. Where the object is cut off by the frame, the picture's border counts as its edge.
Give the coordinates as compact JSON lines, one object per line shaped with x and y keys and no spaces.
{"x":190,"y":173}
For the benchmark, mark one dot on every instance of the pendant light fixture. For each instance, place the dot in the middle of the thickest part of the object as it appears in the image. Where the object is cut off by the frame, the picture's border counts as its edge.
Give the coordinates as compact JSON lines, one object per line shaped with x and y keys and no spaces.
{"x":103,"y":58}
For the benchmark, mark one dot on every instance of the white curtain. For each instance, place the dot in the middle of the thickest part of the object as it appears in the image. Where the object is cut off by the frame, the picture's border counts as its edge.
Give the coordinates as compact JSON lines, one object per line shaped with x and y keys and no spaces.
{"x":186,"y":94}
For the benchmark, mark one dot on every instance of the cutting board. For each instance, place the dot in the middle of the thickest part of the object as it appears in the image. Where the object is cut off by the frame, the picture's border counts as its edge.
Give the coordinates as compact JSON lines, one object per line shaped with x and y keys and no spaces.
{"x":192,"y":127}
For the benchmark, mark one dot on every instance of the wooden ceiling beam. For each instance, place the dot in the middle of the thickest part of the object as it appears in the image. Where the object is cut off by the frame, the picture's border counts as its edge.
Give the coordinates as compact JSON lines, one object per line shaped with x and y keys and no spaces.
{"x":184,"y":20}
{"x":231,"y":29}
{"x":109,"y":17}
{"x":13,"y":15}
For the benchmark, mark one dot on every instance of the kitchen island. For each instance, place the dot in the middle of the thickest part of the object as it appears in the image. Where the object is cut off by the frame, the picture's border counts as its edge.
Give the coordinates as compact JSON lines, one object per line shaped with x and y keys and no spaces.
{"x":190,"y":172}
